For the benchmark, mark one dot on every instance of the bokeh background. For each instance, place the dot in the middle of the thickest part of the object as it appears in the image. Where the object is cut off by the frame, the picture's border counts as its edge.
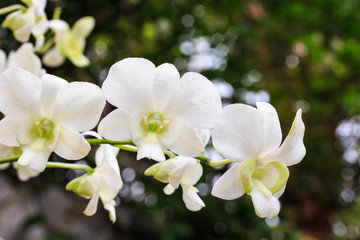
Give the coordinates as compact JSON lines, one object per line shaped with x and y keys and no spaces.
{"x":293,"y":54}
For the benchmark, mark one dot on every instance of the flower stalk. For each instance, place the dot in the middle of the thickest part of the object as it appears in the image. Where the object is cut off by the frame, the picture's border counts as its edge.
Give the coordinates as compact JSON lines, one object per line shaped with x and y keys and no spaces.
{"x":94,"y":141}
{"x":53,"y":164}
{"x":9,"y":159}
{"x":71,"y":166}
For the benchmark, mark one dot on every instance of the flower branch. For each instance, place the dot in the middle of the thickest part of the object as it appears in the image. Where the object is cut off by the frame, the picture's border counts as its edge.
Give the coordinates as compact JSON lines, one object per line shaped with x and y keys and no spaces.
{"x":9,"y":159}
{"x":94,"y":141}
{"x":71,"y":166}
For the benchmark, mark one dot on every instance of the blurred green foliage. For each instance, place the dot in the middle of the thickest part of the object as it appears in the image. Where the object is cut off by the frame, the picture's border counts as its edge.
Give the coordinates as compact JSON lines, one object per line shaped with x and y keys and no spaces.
{"x":295,"y":53}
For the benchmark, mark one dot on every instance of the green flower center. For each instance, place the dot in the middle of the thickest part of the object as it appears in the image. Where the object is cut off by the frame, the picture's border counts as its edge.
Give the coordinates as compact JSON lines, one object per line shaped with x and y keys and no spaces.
{"x":45,"y":128}
{"x":154,"y":122}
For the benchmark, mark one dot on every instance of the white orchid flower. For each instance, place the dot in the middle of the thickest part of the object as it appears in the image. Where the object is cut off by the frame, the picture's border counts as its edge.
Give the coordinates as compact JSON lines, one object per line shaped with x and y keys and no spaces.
{"x":104,"y":183}
{"x":156,"y":109}
{"x":252,"y":138}
{"x":31,"y":21}
{"x":46,"y":115}
{"x":69,"y":43}
{"x":184,"y":171}
{"x":5,"y":152}
{"x":24,"y":58}
{"x":24,"y":173}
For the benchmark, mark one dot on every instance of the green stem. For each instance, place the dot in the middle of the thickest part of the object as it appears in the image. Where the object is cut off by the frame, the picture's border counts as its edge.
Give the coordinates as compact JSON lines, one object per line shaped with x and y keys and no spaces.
{"x":219,"y":162}
{"x":95,"y":141}
{"x":9,"y":159}
{"x":129,"y":148}
{"x":12,"y":8}
{"x":57,"y":13}
{"x":201,"y":158}
{"x":54,"y":164}
{"x":213,"y":163}
{"x":70,"y":166}
{"x":47,"y":45}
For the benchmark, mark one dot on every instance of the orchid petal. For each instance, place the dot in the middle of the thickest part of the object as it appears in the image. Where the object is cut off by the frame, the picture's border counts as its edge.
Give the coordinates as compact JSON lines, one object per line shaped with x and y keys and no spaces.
{"x":195,"y":94}
{"x":108,"y":153}
{"x":137,"y":128}
{"x":39,"y":6}
{"x":78,"y":106}
{"x":34,"y":159}
{"x":272,"y":129}
{"x":51,"y":86}
{"x":109,"y":192}
{"x":238,"y":134}
{"x":112,"y":212}
{"x":179,"y":166}
{"x":108,"y":168}
{"x":91,"y":208}
{"x":265,"y":206}
{"x":204,"y":135}
{"x":19,"y":93}
{"x":170,"y":132}
{"x":40,"y":28}
{"x":24,"y":173}
{"x":128,"y":88}
{"x":79,"y":60}
{"x":25,"y":133}
{"x":114,"y":126}
{"x":113,"y":183}
{"x":22,"y":34}
{"x":8,"y":128}
{"x":11,"y":19}
{"x":71,"y":145}
{"x":152,"y":151}
{"x":25,"y":58}
{"x":292,"y":151}
{"x":192,"y":173}
{"x":229,"y":185}
{"x":83,"y":27}
{"x":5,"y":151}
{"x":165,"y":83}
{"x":280,"y":192}
{"x":59,"y":25}
{"x":192,"y":201}
{"x":188,"y":143}
{"x":53,"y":57}
{"x":169,"y":189}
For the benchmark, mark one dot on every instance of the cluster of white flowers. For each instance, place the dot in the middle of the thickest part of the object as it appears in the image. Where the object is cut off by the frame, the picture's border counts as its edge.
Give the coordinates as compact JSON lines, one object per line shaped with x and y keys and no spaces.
{"x":158,"y":114}
{"x":31,"y":19}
